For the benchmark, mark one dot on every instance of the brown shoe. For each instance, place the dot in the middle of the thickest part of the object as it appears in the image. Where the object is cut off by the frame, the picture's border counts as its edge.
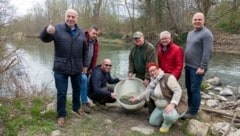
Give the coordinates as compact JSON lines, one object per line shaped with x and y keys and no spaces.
{"x":86,"y":108}
{"x":80,"y":113}
{"x":61,"y":121}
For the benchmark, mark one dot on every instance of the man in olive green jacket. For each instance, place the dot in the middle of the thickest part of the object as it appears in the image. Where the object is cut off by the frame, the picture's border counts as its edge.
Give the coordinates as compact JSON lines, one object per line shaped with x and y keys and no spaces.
{"x":140,"y":55}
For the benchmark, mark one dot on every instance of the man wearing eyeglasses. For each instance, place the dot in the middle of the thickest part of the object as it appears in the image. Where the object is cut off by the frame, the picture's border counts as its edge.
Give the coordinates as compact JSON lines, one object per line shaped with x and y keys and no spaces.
{"x":98,"y":91}
{"x":170,"y":55}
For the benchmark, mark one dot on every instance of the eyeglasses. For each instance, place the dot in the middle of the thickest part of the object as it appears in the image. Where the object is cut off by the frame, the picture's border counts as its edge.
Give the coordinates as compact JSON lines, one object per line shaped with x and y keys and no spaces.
{"x":152,"y":70}
{"x":165,"y":38}
{"x":108,"y":65}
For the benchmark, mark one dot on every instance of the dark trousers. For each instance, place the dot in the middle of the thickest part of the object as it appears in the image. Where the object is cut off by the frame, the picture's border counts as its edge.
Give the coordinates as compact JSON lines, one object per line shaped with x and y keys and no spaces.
{"x":151,"y":106}
{"x":193,"y":85}
{"x":103,"y":99}
{"x":61,"y":83}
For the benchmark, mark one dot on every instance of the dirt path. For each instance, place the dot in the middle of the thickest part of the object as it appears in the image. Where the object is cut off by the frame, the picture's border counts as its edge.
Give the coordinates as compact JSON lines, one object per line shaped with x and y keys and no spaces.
{"x":114,"y":121}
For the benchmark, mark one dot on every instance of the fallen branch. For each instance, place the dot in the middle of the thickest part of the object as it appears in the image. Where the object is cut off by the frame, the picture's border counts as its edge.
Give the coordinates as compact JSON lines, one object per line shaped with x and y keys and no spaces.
{"x":221,"y":112}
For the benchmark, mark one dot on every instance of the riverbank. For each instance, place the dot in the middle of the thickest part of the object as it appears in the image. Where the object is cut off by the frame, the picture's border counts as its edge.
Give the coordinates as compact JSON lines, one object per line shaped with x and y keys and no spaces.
{"x":227,"y":43}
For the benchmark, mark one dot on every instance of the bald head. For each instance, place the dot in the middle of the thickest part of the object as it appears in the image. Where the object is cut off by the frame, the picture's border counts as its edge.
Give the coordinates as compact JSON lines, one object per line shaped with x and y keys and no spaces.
{"x":198,"y":20}
{"x":106,"y":65}
{"x":108,"y":61}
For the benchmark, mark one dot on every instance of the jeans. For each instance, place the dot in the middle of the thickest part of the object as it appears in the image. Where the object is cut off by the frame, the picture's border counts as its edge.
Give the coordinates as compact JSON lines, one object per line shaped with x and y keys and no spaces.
{"x":193,"y":85}
{"x":84,"y":82}
{"x":158,"y":117}
{"x":61,"y":83}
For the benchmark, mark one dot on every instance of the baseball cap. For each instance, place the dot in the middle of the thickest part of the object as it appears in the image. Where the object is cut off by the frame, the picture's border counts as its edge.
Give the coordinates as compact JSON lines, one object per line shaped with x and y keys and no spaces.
{"x":138,"y":34}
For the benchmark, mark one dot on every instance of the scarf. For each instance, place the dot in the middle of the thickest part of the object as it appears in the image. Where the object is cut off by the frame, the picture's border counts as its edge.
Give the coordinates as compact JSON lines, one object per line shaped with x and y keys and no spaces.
{"x":150,"y":88}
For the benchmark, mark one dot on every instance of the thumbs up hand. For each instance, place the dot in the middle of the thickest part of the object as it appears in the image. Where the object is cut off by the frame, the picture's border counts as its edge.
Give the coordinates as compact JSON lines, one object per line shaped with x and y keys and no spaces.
{"x":51,"y":28}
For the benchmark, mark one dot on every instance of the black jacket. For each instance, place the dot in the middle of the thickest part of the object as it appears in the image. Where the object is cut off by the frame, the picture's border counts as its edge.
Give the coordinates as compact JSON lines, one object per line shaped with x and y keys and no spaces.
{"x":71,"y":52}
{"x":98,"y":82}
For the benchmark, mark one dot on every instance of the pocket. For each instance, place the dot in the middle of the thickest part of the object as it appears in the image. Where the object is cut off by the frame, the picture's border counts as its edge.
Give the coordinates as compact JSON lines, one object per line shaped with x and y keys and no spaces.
{"x":60,"y":64}
{"x":77,"y":65}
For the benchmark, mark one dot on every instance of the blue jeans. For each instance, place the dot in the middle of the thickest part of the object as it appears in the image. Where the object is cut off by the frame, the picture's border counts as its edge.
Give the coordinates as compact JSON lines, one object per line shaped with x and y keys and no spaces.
{"x":159,"y":118}
{"x":193,"y":85}
{"x":84,"y":83}
{"x":61,"y":83}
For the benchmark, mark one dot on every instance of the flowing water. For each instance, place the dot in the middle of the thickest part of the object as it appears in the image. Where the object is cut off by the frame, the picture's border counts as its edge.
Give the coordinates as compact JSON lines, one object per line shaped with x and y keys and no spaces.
{"x":38,"y":60}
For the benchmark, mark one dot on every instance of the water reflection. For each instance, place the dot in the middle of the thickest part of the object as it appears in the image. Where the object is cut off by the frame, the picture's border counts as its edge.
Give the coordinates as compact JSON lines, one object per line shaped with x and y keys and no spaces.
{"x":39,"y":56}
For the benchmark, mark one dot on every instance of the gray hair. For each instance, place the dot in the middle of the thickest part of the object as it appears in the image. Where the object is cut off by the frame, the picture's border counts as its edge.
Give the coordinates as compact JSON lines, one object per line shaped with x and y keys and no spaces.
{"x":72,"y":11}
{"x":165,"y":33}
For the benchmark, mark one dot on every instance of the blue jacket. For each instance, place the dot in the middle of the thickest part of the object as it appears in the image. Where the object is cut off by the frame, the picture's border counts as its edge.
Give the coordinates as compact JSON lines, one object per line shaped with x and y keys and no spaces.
{"x":98,"y":82}
{"x":71,"y":51}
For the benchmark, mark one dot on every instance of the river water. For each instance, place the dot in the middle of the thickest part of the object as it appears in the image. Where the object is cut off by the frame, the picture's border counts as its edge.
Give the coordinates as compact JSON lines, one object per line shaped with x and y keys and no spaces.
{"x":38,"y":60}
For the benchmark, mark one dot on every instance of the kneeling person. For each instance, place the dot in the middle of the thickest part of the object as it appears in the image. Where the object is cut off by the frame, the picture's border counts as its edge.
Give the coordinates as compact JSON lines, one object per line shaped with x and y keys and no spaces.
{"x":98,"y":90}
{"x":168,"y":98}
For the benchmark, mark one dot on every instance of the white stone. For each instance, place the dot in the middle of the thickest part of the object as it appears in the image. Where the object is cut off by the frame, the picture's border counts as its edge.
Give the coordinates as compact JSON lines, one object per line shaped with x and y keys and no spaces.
{"x":146,"y":130}
{"x":214,"y":80}
{"x":234,"y":133}
{"x":205,"y":96}
{"x":197,"y":128}
{"x":221,"y":98}
{"x":212,"y":103}
{"x":211,"y":93}
{"x":226,"y":92}
{"x":238,"y":102}
{"x":220,"y":128}
{"x":56,"y":133}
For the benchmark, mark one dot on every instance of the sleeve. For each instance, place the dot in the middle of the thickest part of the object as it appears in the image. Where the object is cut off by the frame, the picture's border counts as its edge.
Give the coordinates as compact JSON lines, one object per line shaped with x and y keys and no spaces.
{"x":45,"y":37}
{"x":131,"y":61}
{"x":173,"y":85}
{"x":85,"y":53}
{"x":150,"y":55}
{"x":179,"y":63}
{"x":97,"y":81}
{"x":112,"y":80}
{"x":207,"y":49}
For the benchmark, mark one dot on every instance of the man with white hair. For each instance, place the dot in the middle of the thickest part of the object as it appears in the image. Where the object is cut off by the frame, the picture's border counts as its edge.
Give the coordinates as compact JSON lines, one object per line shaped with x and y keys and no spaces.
{"x":170,"y":55}
{"x":70,"y":61}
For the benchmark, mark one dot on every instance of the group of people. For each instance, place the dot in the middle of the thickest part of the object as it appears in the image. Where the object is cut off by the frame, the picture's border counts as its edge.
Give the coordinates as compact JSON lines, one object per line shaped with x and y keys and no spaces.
{"x":76,"y":55}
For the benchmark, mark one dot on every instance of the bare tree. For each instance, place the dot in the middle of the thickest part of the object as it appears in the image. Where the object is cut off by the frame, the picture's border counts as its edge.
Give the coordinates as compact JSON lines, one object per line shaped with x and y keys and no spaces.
{"x":131,"y":16}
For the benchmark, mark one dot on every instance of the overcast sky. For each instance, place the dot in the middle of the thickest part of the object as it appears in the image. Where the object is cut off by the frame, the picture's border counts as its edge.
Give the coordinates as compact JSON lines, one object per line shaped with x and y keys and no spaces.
{"x":24,"y":6}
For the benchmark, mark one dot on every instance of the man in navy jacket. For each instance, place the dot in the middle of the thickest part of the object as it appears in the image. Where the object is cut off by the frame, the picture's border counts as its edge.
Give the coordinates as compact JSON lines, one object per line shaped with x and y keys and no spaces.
{"x":70,"y":60}
{"x":98,"y":89}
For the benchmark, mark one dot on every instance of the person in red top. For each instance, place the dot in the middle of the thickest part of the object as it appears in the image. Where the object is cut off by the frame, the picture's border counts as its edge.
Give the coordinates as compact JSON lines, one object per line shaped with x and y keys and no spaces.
{"x":93,"y":50}
{"x":170,"y":55}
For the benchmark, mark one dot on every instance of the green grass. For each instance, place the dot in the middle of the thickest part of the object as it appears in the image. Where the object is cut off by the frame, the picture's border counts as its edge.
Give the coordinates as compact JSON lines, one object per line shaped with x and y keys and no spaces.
{"x":22,"y":115}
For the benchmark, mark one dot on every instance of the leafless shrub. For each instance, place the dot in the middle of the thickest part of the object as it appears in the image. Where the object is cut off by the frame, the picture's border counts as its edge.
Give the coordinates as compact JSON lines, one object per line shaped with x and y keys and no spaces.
{"x":14,"y":77}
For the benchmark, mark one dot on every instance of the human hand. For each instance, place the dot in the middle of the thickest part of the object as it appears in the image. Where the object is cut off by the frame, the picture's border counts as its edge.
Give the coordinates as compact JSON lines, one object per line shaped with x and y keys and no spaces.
{"x":114,"y":95}
{"x":169,"y":108}
{"x":146,"y":82}
{"x":84,"y":70}
{"x":50,"y":28}
{"x":133,"y":99}
{"x":200,"y":71}
{"x":130,"y":75}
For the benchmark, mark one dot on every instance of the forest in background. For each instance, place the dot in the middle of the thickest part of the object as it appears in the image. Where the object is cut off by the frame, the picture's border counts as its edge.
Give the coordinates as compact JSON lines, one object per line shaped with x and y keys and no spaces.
{"x":116,"y":18}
